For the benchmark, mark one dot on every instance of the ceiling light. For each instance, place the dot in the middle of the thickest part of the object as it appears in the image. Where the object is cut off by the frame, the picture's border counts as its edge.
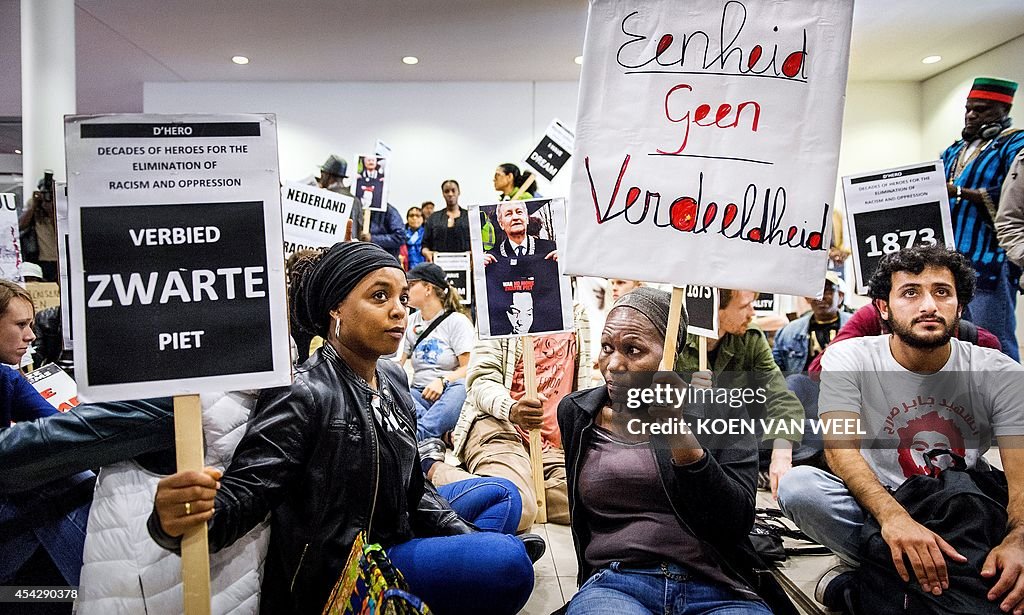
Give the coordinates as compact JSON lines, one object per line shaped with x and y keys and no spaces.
{"x":931,"y":59}
{"x":240,"y":60}
{"x":578,"y":60}
{"x":17,"y":151}
{"x":410,"y":60}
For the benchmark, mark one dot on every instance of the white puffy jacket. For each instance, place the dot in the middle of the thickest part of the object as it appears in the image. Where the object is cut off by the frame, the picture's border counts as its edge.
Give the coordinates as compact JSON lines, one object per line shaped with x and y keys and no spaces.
{"x":126,"y":572}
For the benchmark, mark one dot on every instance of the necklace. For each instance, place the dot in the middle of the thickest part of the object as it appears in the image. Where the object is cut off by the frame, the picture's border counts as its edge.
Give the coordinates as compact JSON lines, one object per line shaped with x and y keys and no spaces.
{"x":962,"y":161}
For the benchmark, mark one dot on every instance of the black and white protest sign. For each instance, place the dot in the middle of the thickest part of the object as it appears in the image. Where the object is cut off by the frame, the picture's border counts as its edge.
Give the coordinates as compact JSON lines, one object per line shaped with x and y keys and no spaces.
{"x":765,"y":304}
{"x":456,"y":266}
{"x":891,"y":210}
{"x":313,"y":217}
{"x":60,"y":203}
{"x":553,"y":151}
{"x":10,"y":242}
{"x":176,"y":270}
{"x":702,"y":311}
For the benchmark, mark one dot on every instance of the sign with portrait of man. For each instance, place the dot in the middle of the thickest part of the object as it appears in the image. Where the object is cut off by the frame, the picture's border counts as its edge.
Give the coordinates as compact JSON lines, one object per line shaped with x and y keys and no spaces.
{"x":371,"y":187}
{"x":520,"y":290}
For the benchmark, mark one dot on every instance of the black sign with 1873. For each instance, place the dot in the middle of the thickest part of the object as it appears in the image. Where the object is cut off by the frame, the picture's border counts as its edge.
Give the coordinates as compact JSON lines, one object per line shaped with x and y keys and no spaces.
{"x":885,"y":231}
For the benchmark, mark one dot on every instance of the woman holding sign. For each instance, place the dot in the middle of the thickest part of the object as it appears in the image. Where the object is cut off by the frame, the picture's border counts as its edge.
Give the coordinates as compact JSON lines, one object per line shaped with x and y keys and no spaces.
{"x":334,"y":454}
{"x":660,"y":515}
{"x":508,"y":180}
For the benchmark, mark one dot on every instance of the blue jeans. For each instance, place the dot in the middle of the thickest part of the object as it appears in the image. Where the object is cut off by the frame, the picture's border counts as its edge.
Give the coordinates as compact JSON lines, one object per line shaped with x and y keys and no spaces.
{"x":821,"y":505}
{"x":486,"y":572}
{"x":492,"y":504}
{"x":434,"y":418}
{"x":667,"y":589}
{"x":994,"y":310}
{"x":60,"y":534}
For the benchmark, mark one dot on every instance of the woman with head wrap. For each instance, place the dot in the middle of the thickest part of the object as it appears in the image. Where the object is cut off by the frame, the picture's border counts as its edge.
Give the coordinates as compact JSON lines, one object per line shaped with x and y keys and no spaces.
{"x":334,"y":454}
{"x":660,"y":515}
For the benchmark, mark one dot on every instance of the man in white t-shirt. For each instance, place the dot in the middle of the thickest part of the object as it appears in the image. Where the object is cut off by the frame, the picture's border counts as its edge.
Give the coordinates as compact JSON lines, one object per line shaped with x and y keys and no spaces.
{"x":915,"y":390}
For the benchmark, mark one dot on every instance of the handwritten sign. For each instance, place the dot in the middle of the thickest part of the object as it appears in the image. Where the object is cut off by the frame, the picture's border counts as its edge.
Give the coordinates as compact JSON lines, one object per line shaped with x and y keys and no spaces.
{"x":176,"y":262}
{"x":707,"y":142}
{"x":10,"y":239}
{"x":553,"y":151}
{"x":895,"y":209}
{"x":519,"y":289}
{"x":313,"y":217}
{"x":457,"y":269}
{"x":44,"y":294}
{"x":702,"y":311}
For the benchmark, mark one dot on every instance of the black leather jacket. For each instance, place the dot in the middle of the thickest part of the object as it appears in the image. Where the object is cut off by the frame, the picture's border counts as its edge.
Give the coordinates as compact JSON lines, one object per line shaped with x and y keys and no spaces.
{"x":310,"y":457}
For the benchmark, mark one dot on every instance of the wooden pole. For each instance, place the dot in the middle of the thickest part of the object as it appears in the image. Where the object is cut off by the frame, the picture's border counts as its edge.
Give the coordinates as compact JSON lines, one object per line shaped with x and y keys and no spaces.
{"x":366,"y":222}
{"x":536,"y":444}
{"x":525,"y":187}
{"x":702,"y":354}
{"x":675,"y":312}
{"x":195,"y":552}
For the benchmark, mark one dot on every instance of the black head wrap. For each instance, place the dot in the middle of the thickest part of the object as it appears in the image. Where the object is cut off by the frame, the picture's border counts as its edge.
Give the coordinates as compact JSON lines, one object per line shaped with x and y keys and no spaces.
{"x":331,"y":278}
{"x":654,"y":304}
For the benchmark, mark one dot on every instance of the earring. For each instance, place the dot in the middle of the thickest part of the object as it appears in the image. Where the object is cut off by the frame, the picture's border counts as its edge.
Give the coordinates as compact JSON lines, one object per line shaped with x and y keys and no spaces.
{"x":337,"y":327}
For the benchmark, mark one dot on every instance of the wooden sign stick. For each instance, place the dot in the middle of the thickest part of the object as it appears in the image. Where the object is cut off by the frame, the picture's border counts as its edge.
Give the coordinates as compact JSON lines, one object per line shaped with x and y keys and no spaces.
{"x":702,"y":353}
{"x":195,"y":551}
{"x":366,"y":221}
{"x":536,"y":445}
{"x":525,"y":187}
{"x":675,"y":312}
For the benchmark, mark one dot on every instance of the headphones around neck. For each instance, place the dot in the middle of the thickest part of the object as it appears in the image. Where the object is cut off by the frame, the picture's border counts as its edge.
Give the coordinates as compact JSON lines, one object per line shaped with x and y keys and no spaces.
{"x":992,"y":130}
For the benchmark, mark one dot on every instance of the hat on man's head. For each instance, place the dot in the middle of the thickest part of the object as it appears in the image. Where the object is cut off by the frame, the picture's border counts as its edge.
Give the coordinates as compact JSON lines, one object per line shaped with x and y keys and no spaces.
{"x":335,"y":166}
{"x":989,"y":88}
{"x":837,"y":282}
{"x":428,"y":272}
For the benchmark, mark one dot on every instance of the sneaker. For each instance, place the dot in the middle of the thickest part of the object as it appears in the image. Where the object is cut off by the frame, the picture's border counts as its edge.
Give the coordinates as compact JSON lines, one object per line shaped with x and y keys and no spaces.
{"x":763,"y":482}
{"x":835,"y":588}
{"x":535,"y":546}
{"x":432,"y":449}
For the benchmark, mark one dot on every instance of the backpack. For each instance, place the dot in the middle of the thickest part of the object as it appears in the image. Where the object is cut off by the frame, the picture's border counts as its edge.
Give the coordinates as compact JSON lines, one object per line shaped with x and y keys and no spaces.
{"x":968,"y":509}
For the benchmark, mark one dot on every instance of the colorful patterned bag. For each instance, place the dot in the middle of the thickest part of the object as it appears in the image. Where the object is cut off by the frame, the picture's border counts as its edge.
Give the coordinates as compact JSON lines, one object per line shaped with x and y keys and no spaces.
{"x":371,"y":585}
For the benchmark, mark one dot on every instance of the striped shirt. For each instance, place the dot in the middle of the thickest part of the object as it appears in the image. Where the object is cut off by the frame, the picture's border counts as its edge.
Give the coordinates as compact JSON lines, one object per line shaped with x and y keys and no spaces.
{"x":972,"y":222}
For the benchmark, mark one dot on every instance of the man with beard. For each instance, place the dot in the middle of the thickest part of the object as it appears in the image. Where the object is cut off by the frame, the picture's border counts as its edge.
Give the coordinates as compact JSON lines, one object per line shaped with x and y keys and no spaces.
{"x":976,"y":166}
{"x":885,"y":385}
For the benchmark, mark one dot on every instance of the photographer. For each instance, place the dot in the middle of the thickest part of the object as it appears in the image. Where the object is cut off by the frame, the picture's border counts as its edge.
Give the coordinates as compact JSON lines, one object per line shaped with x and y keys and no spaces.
{"x":38,"y":226}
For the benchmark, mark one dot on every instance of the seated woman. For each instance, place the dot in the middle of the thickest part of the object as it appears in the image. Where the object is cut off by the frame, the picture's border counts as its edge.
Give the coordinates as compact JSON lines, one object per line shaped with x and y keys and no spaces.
{"x":660,"y":522}
{"x":438,"y":339}
{"x":334,"y":454}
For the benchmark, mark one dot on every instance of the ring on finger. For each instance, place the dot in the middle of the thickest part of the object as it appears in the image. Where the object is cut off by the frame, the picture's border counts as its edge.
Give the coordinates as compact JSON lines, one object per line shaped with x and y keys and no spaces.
{"x":188,"y":508}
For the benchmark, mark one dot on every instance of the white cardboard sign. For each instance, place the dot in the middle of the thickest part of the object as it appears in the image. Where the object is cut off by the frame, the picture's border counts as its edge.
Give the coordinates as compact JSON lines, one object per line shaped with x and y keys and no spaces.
{"x":10,"y":239}
{"x":894,"y":209}
{"x":177,"y":278}
{"x":707,"y":137}
{"x":313,"y":217}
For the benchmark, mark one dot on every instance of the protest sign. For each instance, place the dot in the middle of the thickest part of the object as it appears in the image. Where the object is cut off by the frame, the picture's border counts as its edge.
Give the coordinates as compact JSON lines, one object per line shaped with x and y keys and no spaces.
{"x":696,"y":161}
{"x":175,"y":226}
{"x":313,"y":217}
{"x":55,"y":386}
{"x":891,"y":210}
{"x":764,"y":304}
{"x":10,"y":239}
{"x":519,"y":289}
{"x":60,"y":203}
{"x":702,"y":311}
{"x":553,"y":151}
{"x":44,"y":294}
{"x":457,"y":270}
{"x":371,"y":182}
{"x":382,"y":149}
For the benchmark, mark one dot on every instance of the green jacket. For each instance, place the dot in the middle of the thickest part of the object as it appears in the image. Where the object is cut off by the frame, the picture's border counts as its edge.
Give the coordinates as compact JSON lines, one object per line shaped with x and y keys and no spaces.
{"x":746,"y":361}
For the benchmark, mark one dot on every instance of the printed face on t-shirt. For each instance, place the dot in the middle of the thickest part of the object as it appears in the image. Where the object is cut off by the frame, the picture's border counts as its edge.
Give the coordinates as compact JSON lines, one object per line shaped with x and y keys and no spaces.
{"x":520,"y":313}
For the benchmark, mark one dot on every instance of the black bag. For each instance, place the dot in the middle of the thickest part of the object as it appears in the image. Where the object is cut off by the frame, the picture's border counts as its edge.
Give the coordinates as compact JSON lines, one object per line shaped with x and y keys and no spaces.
{"x":767,"y":538}
{"x":968,"y":509}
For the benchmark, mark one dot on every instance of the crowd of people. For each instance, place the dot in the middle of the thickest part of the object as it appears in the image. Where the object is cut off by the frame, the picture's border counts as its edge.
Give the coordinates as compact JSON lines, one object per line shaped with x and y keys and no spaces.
{"x":401,"y":424}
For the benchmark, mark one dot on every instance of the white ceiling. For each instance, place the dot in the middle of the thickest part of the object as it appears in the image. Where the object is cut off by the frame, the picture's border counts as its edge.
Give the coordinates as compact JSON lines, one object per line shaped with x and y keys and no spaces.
{"x":123,"y":43}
